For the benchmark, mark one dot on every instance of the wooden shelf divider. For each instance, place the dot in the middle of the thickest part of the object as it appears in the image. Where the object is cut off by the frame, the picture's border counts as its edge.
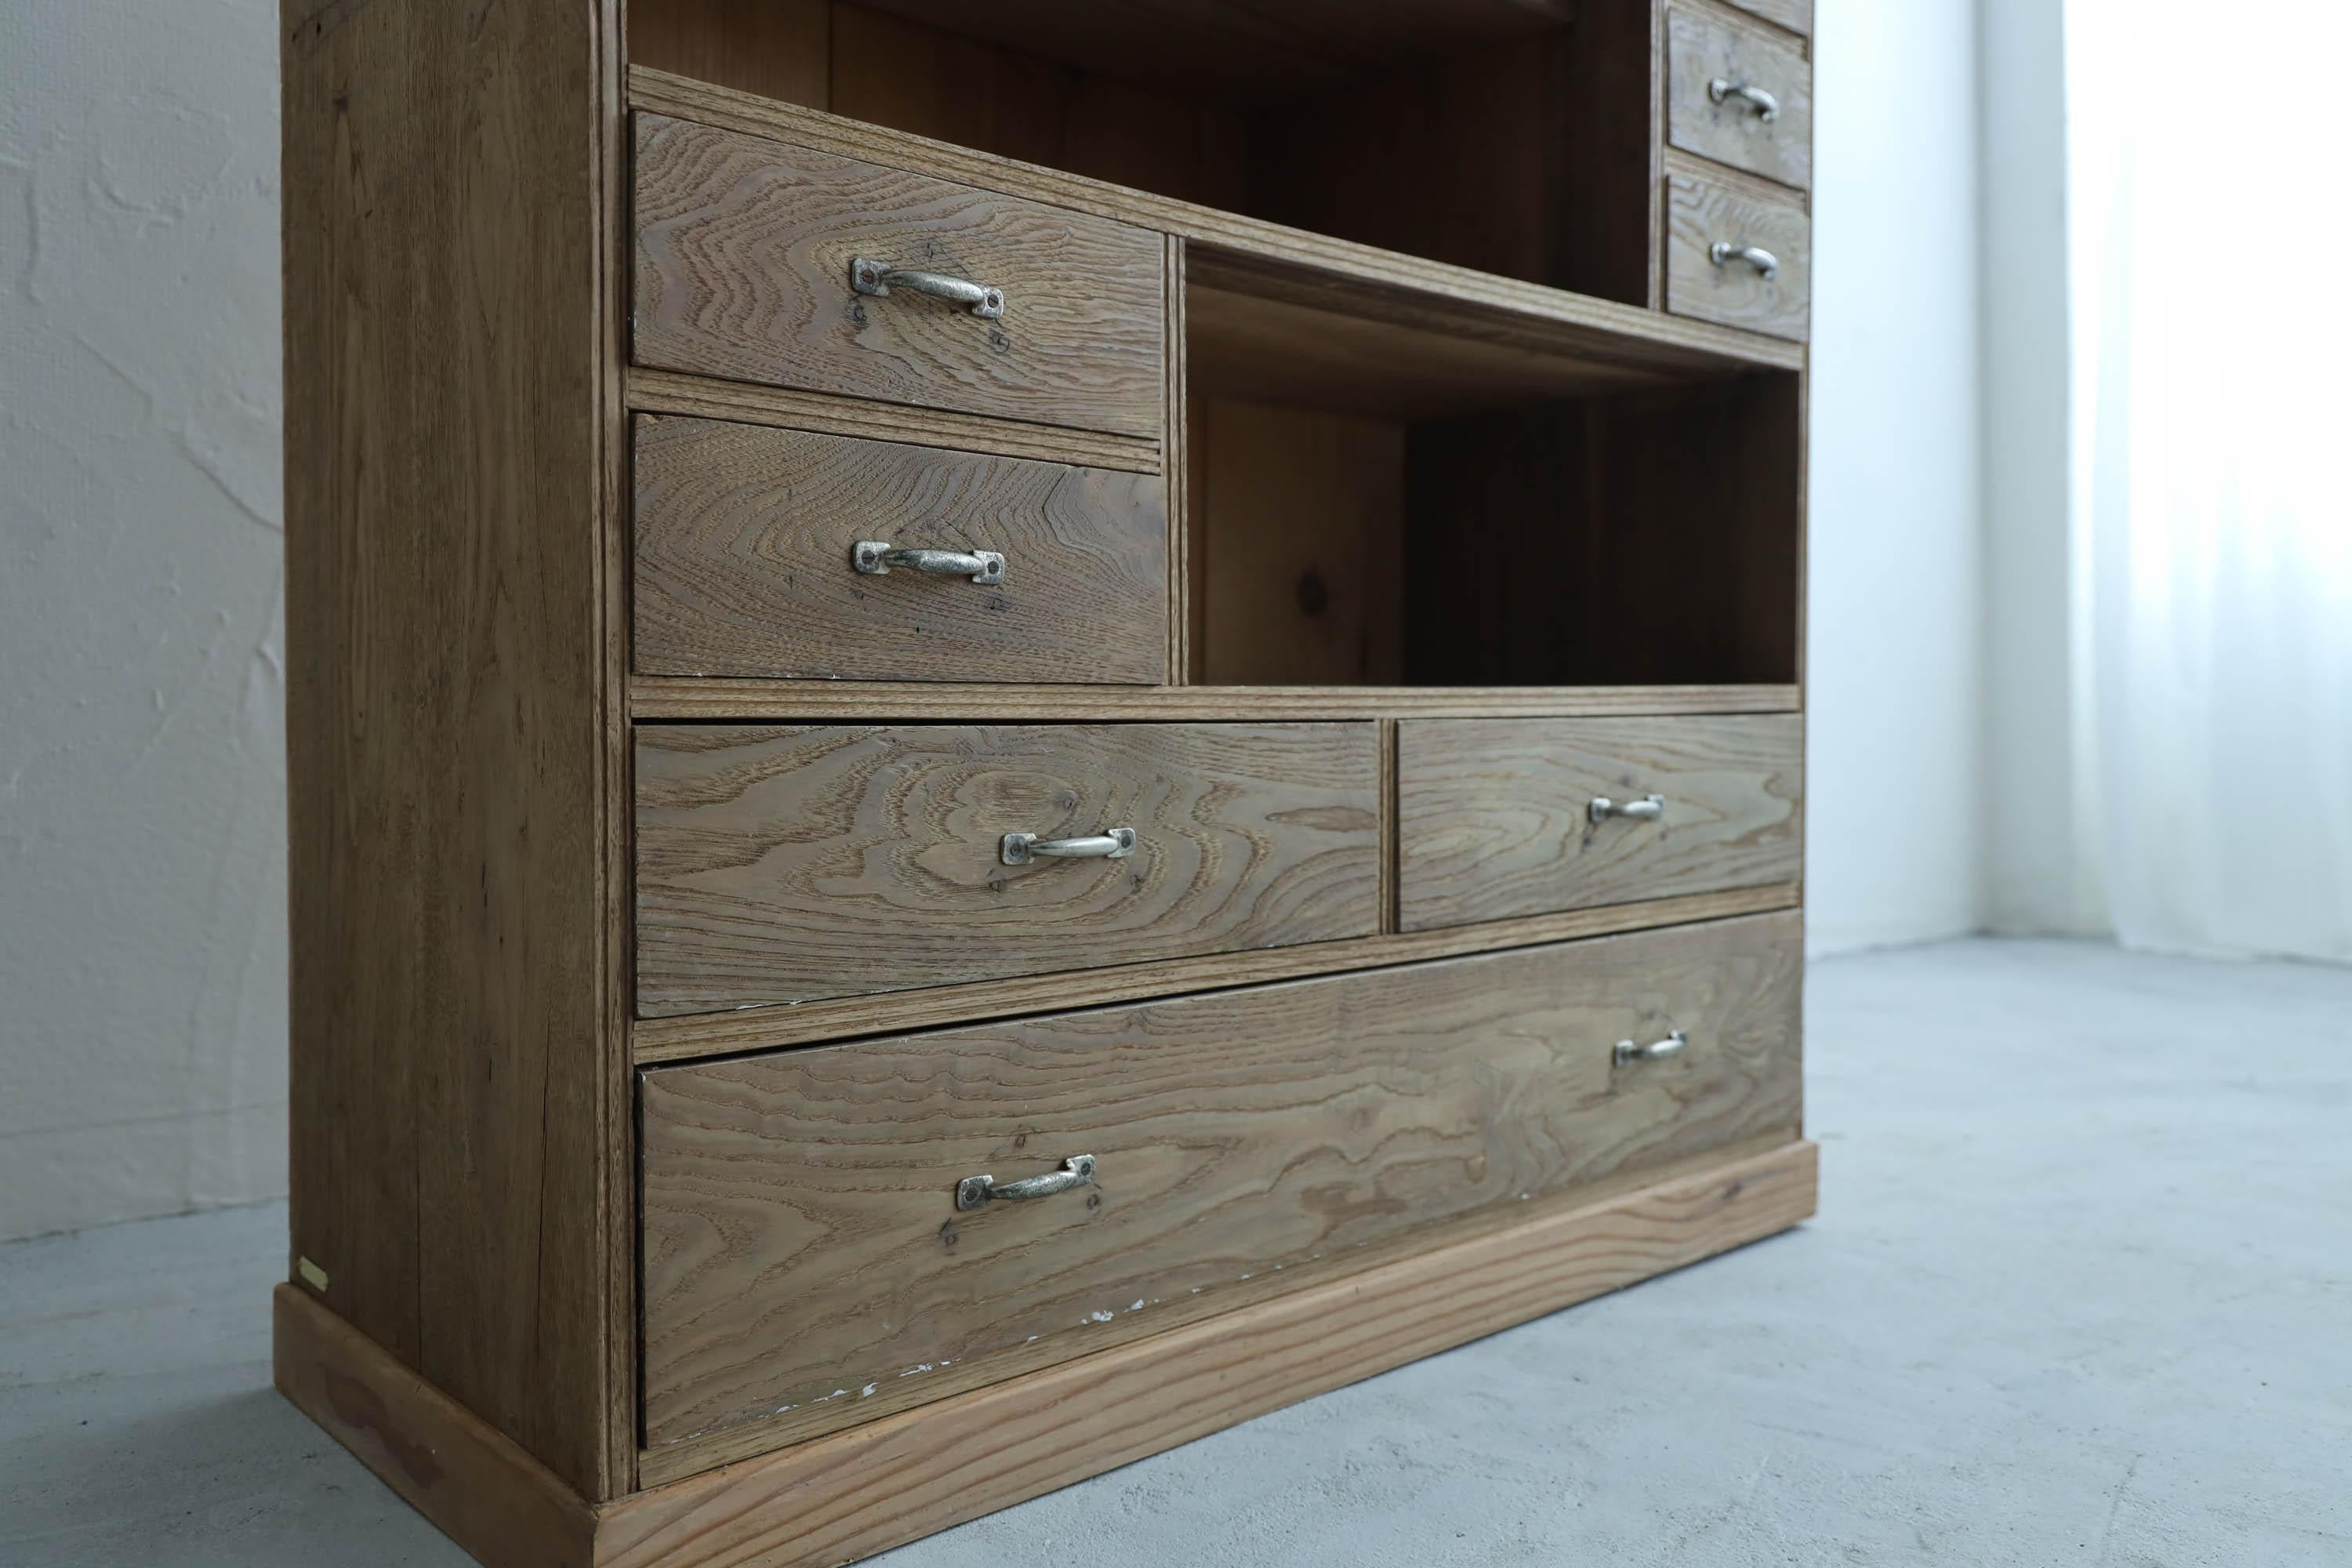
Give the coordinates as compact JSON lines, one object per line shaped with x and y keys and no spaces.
{"x":707,"y":700}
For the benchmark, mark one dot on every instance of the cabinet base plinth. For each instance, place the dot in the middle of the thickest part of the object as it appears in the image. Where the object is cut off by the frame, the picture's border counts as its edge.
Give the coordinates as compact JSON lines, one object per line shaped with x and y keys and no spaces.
{"x":836,"y":1499}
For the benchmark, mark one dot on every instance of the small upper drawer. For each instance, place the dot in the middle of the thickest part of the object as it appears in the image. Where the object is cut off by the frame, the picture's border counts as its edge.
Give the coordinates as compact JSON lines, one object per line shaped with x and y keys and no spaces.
{"x":1502,"y":817}
{"x":1797,"y":16}
{"x":1738,"y":259}
{"x":745,"y":250}
{"x":785,"y":864}
{"x":1737,"y":96}
{"x":748,"y":561}
{"x":814,"y":1255}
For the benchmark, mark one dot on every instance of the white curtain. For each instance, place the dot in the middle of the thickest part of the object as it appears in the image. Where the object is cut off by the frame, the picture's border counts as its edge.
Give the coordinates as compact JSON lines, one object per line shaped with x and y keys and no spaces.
{"x":2210,"y":238}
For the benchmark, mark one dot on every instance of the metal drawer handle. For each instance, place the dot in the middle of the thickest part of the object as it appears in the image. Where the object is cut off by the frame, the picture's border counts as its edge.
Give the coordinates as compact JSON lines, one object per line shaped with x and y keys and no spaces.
{"x":1113,"y":844}
{"x":1649,"y":808}
{"x":979,"y":1192}
{"x":875,"y":557}
{"x":1767,"y":107}
{"x":1656,"y":1050}
{"x":876,"y":279}
{"x":1723,"y":252}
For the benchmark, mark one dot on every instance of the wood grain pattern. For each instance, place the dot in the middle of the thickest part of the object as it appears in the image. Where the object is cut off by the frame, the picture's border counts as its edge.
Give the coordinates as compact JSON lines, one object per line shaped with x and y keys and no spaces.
{"x":1701,"y":589}
{"x":1716,"y":472}
{"x":1679,"y":164}
{"x":1704,"y":589}
{"x":1701,"y":212}
{"x":840,"y":1497}
{"x":447,"y":170}
{"x":800,"y":1235}
{"x":1529,"y":599}
{"x":1442,"y":337}
{"x":988,"y":92}
{"x":668,"y":697}
{"x":1510,"y":137}
{"x":483,"y":1491}
{"x":1387,"y":827}
{"x":1196,"y":543}
{"x":1459,"y":156}
{"x":1797,"y":16}
{"x":1254,"y":52}
{"x":1493,"y":821}
{"x":1180,"y":474}
{"x":704,"y":1035}
{"x":744,"y":536}
{"x":617,"y":1154}
{"x":667,"y":392}
{"x":888,"y":71}
{"x":788,"y":865}
{"x":1246,"y":345}
{"x":843,"y":1497}
{"x":742,"y":271}
{"x":781,"y":48}
{"x":1337,"y":273}
{"x":1606,"y":208}
{"x":1300,"y":512}
{"x":1702,"y":49}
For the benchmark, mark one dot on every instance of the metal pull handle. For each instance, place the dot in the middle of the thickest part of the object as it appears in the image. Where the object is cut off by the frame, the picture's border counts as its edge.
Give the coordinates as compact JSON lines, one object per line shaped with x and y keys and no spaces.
{"x":1114,"y":844}
{"x":979,"y":1192}
{"x":1767,"y":107}
{"x":875,"y":557}
{"x":1649,"y":808}
{"x":875,"y":277}
{"x":1723,"y":253}
{"x":1656,"y":1050}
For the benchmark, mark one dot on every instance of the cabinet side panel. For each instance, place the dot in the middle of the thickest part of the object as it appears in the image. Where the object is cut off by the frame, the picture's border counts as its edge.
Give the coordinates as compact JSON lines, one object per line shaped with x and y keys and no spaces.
{"x":447,"y":429}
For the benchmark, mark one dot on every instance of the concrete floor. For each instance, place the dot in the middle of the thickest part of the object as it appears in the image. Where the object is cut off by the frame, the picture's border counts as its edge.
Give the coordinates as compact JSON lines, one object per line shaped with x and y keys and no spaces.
{"x":2080,"y":1292}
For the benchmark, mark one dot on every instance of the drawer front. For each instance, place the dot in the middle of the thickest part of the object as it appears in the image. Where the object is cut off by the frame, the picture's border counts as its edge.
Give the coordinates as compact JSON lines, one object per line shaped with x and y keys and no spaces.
{"x":1705,"y":58}
{"x":1797,"y":16}
{"x":1735,"y":291}
{"x":743,"y":254}
{"x":786,"y":864}
{"x":1496,"y":818}
{"x":745,"y":545}
{"x":807,"y":1266}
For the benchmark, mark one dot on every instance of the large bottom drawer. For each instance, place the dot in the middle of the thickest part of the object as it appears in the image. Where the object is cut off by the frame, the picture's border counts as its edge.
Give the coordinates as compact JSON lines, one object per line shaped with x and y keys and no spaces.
{"x":812,"y":1259}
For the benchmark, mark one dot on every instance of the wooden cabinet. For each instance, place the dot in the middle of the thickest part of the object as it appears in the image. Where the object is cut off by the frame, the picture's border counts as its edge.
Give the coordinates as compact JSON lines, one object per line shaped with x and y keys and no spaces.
{"x":1004,"y":747}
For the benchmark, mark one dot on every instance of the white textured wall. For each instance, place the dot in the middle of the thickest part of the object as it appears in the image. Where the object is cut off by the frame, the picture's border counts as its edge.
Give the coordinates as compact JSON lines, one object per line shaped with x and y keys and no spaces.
{"x":1894,"y":828}
{"x":141,"y":792}
{"x":2040,"y":880}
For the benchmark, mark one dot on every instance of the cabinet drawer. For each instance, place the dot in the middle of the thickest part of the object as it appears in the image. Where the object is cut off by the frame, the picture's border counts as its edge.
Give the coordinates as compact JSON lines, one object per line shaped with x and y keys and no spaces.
{"x":1702,"y":216}
{"x":785,"y":864}
{"x":745,"y":546}
{"x":806,"y":1263}
{"x":1797,"y":16}
{"x":1714,"y":73}
{"x":744,"y":248}
{"x":1498,"y":818}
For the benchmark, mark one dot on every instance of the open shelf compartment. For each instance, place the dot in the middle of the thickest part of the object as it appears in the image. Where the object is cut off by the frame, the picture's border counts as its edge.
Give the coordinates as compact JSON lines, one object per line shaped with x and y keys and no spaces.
{"x":1368,"y":503}
{"x":1515,"y":137}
